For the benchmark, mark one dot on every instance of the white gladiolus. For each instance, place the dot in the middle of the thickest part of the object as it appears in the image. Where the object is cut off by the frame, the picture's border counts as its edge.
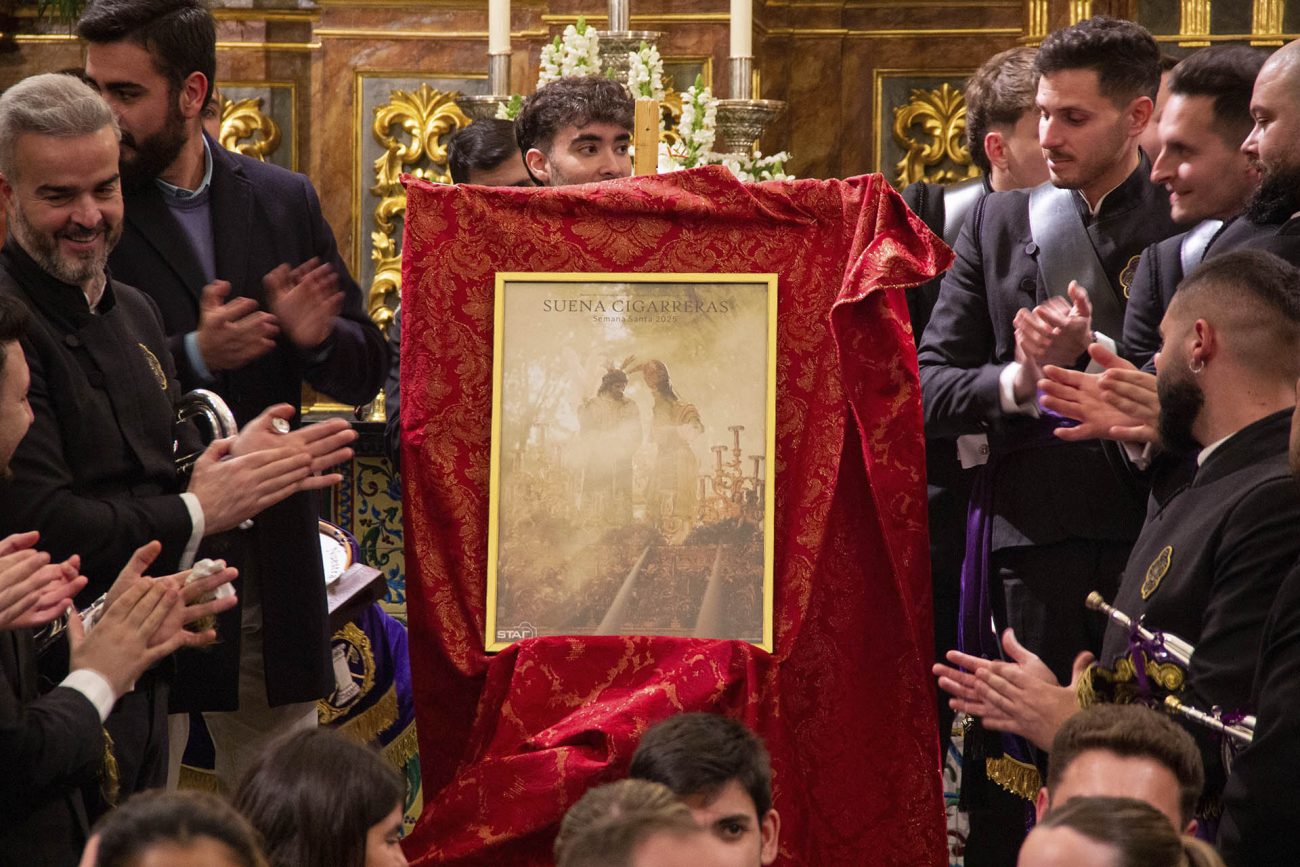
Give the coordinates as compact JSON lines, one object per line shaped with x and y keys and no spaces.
{"x":576,"y":53}
{"x":645,"y":72}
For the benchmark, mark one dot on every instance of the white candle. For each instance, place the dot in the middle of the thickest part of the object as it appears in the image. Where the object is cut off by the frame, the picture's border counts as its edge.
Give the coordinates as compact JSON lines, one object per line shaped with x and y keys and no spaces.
{"x":498,"y":26}
{"x":742,"y":28}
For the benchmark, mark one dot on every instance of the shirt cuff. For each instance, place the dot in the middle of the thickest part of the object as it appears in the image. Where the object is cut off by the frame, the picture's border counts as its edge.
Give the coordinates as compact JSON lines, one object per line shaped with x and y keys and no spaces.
{"x":95,"y":687}
{"x":196,"y":357}
{"x":1139,"y":455}
{"x":198,"y":525}
{"x":1007,"y":393}
{"x":1098,"y":337}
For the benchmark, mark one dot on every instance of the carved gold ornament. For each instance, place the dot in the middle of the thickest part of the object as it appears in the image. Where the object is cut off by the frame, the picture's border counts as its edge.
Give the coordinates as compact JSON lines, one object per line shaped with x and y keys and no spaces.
{"x":247,"y":130}
{"x":412,"y":128}
{"x":939,"y":154}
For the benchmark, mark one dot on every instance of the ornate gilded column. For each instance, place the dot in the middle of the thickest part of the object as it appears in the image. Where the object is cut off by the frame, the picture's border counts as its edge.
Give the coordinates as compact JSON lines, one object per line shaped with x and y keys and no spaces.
{"x":1036,"y":18}
{"x":1194,"y":23}
{"x":1080,"y":10}
{"x":1266,"y":22}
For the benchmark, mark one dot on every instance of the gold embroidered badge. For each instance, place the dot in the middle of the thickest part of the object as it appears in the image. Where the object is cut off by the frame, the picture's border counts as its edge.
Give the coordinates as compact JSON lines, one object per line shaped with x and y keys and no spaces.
{"x":155,"y":366}
{"x":1156,"y":571}
{"x":1130,"y":271}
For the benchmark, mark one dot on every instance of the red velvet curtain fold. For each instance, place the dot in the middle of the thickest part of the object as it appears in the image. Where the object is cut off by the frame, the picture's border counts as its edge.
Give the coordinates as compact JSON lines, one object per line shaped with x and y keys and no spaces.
{"x":509,"y":741}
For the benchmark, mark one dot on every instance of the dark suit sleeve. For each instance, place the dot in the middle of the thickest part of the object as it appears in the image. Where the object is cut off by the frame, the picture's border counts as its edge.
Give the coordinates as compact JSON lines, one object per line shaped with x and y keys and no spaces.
{"x":927,"y":203}
{"x":1259,"y":800}
{"x":1141,"y":340}
{"x":105,"y":530}
{"x":1248,"y":570}
{"x":185,"y":372}
{"x":55,"y":741}
{"x":959,"y":384}
{"x":355,"y":358}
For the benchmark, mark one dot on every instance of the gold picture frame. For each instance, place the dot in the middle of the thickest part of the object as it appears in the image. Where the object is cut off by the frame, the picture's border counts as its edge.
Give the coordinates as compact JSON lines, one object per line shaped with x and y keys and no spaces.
{"x":633,"y":422}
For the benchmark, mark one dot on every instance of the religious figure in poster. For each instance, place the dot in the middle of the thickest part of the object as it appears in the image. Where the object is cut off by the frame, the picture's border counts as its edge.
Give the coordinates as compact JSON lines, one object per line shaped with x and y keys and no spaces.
{"x":606,"y":515}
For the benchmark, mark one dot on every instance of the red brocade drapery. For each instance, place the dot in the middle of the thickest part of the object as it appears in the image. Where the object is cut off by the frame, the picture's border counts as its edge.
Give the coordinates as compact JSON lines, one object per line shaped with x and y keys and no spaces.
{"x":509,"y":741}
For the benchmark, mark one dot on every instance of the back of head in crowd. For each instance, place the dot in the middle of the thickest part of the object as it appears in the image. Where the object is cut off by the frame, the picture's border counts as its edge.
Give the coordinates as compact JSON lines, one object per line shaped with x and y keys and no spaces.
{"x":1111,"y":832}
{"x":577,"y":130}
{"x":634,"y":823}
{"x":486,"y":153}
{"x":1002,"y":120}
{"x":1123,"y":54}
{"x":1125,"y":750}
{"x":320,"y":799}
{"x":723,"y":773}
{"x":157,"y":828}
{"x":1252,"y":298}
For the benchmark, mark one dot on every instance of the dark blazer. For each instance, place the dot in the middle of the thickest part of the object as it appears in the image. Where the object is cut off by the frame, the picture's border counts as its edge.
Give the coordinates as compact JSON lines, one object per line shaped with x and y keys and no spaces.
{"x":1211,"y":558}
{"x":970,"y":338}
{"x":262,"y":216}
{"x":95,"y":473}
{"x":49,"y":747}
{"x":1259,"y":800}
{"x":1160,"y":270}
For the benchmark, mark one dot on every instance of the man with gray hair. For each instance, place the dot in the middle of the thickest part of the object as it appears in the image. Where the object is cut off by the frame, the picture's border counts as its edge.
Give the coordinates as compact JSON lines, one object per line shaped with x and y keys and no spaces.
{"x":97,"y":474}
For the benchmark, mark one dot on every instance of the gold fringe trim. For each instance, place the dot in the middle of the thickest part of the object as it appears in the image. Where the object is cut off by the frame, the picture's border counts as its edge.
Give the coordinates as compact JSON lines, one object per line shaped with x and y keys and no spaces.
{"x":201,"y":780}
{"x":378,"y":718}
{"x":1086,"y":692}
{"x":404,"y":747}
{"x":1016,"y":777}
{"x":110,"y":780}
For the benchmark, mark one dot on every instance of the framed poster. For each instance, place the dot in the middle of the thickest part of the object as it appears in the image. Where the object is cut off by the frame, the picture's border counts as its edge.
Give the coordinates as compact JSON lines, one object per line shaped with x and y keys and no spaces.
{"x":633,"y":423}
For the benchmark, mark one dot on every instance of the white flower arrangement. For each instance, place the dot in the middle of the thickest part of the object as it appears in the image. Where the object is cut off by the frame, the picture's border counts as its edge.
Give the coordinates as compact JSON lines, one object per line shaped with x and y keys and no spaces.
{"x":645,"y":73}
{"x":698,"y":125}
{"x":509,"y":110}
{"x":756,"y":167}
{"x":575,"y":53}
{"x":697,"y":131}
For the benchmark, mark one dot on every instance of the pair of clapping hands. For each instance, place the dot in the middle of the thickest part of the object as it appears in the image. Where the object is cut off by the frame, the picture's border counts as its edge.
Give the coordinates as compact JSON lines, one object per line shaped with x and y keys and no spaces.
{"x":144,"y":618}
{"x":237,"y":477}
{"x":302,"y":303}
{"x":1119,"y":402}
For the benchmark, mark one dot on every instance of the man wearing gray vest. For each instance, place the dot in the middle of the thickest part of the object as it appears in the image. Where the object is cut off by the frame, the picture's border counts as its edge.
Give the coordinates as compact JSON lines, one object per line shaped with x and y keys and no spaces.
{"x":1002,"y":132}
{"x":1039,"y":274}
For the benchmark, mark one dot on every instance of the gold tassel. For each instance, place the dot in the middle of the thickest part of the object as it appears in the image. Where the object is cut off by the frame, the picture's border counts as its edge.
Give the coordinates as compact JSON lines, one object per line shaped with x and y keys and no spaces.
{"x":403,"y":748}
{"x":1086,"y":692}
{"x":1016,"y":777}
{"x":378,"y":718}
{"x":110,"y":781}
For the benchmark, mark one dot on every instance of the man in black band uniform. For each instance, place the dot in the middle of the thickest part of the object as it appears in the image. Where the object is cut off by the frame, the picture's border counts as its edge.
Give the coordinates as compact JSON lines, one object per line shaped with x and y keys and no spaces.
{"x":1058,"y":520}
{"x":96,"y":474}
{"x":1002,"y":131}
{"x":254,"y":300}
{"x":1208,"y":176}
{"x":1211,"y":556}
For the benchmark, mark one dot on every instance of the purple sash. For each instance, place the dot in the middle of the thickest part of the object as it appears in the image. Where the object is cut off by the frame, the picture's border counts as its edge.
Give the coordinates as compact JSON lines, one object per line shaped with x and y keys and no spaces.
{"x":975,"y":632}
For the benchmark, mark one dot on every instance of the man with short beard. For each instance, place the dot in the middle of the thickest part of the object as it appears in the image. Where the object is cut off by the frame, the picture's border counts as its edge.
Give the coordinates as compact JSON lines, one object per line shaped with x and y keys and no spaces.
{"x":255,"y":300}
{"x":96,"y":475}
{"x":1210,"y":558}
{"x":1038,"y":274}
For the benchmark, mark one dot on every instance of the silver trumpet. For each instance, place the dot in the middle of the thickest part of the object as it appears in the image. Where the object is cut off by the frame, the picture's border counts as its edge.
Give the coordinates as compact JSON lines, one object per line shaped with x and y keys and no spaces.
{"x":1179,"y":650}
{"x":208,"y":407}
{"x":1242,"y":731}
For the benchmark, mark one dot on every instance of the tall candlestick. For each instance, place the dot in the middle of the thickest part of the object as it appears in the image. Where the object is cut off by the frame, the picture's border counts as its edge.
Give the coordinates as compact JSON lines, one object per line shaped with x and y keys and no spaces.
{"x":742,"y":28}
{"x":618,"y":15}
{"x":498,"y":26}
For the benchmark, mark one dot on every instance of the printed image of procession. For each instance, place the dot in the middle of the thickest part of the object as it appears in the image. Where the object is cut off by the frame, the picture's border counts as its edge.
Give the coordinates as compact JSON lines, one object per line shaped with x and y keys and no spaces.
{"x":631,"y":459}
